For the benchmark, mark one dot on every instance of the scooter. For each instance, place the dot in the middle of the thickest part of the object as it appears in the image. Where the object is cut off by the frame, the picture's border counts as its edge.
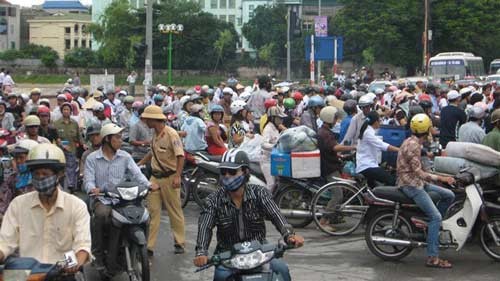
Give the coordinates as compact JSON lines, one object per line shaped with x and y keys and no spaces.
{"x":21,"y":269}
{"x":130,"y":218}
{"x":249,"y":261}
{"x":395,"y":225}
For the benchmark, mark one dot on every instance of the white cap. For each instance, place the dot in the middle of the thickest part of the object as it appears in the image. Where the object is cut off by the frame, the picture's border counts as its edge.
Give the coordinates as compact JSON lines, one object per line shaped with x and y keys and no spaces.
{"x":465,"y":91}
{"x":452,"y":95}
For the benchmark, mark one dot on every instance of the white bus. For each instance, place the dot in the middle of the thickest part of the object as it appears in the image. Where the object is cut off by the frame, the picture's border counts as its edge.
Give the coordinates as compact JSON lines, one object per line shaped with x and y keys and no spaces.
{"x":455,"y":65}
{"x":494,"y":66}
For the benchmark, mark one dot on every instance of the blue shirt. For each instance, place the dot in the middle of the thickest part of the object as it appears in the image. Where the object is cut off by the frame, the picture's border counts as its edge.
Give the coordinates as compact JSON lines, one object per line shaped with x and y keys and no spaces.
{"x":195,"y":130}
{"x":344,"y":125}
{"x":106,"y":174}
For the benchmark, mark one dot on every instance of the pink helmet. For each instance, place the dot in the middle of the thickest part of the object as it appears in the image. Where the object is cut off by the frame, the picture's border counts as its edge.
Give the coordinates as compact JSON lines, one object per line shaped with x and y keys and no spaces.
{"x":393,"y":88}
{"x":137,"y":104}
{"x":481,"y":104}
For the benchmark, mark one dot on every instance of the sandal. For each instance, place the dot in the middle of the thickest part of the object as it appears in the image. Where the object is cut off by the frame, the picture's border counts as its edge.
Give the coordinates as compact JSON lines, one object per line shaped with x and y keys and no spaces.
{"x":438,"y":263}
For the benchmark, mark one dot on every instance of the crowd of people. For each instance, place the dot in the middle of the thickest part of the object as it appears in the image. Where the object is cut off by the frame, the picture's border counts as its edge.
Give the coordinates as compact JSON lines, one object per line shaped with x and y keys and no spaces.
{"x":92,"y":141}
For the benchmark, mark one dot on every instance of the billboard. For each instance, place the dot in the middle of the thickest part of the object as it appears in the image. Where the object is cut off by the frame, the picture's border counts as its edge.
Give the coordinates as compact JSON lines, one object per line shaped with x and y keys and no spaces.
{"x":324,"y":48}
{"x":321,"y":26}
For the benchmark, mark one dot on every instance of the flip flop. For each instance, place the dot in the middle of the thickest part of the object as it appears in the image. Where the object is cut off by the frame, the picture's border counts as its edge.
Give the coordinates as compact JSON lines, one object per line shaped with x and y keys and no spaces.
{"x":438,"y":263}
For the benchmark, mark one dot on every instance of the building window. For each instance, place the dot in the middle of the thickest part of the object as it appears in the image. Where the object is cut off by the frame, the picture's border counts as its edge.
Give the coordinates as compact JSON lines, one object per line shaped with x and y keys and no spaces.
{"x":250,"y":9}
{"x":12,"y":12}
{"x":67,"y":30}
{"x":231,"y":19}
{"x":67,"y":44}
{"x":223,"y":4}
{"x":240,"y":21}
{"x":222,"y":17}
{"x":11,"y":29}
{"x":84,"y":29}
{"x":213,"y":4}
{"x":76,"y":29}
{"x":84,"y":43}
{"x":12,"y":44}
{"x":75,"y":43}
{"x":232,"y":4}
{"x":90,"y":44}
{"x":202,"y":3}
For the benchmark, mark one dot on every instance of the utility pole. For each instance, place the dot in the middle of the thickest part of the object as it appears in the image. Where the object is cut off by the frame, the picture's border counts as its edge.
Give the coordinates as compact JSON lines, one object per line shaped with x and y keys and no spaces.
{"x":319,"y":62}
{"x":425,"y":37}
{"x":288,"y":44}
{"x":148,"y":71}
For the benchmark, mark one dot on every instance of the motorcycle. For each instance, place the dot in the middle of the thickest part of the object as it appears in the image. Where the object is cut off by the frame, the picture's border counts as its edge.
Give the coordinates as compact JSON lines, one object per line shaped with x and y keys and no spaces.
{"x":130,"y":218}
{"x":24,"y":268}
{"x":250,"y":261}
{"x":395,"y":225}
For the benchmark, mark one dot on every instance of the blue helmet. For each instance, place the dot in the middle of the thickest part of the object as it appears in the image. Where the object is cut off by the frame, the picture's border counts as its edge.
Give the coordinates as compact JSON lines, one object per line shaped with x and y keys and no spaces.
{"x":216,"y":108}
{"x":158,"y":97}
{"x":316,"y":101}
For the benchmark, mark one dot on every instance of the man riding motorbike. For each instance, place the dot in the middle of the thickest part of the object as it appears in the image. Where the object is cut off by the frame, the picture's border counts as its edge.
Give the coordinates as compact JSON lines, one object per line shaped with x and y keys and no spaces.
{"x":238,"y":211}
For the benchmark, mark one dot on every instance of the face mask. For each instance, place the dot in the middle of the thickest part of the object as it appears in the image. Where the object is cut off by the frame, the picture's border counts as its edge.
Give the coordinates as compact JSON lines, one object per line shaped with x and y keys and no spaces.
{"x":232,"y":183}
{"x":22,"y":168}
{"x":45,"y":186}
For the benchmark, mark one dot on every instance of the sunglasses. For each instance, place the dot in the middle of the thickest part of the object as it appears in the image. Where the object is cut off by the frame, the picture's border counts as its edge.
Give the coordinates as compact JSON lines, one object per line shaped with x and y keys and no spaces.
{"x":231,"y":172}
{"x":34,"y":126}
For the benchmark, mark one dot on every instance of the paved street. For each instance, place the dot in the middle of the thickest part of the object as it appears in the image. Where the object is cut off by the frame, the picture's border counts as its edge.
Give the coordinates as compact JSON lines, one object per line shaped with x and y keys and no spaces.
{"x":327,"y":258}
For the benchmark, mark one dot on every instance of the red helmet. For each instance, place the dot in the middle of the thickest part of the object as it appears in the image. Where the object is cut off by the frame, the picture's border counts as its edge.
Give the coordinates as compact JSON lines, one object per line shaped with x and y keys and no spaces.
{"x":43,"y":109}
{"x":424,"y":97}
{"x":69,"y":97}
{"x":270,"y":103}
{"x":297,"y":96}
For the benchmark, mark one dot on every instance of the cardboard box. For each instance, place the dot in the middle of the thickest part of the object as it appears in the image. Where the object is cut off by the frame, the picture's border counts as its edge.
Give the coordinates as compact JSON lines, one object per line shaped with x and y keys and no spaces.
{"x":306,"y":164}
{"x":281,"y":164}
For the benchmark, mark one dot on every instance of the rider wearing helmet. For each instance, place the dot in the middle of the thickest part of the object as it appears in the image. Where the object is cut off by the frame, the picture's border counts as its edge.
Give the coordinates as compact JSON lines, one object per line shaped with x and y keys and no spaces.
{"x":365,"y":103}
{"x":195,"y":129}
{"x":186,"y":104}
{"x":270,"y":102}
{"x":104,"y":169}
{"x":224,"y":210}
{"x":46,"y":129}
{"x":413,"y":181}
{"x":290,"y":110}
{"x":452,"y":117}
{"x":310,"y":116}
{"x":59,"y":219}
{"x":216,"y":132}
{"x":270,"y":136}
{"x":125,"y":115}
{"x":34,"y":101}
{"x":18,"y":182}
{"x":158,"y":99}
{"x":239,"y":127}
{"x":32,"y":125}
{"x":93,"y":138}
{"x":472,"y":130}
{"x":350,"y":107}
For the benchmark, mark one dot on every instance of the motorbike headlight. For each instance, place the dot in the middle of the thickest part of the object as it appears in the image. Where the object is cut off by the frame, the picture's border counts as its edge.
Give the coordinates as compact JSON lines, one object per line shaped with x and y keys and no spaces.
{"x":128,"y":193}
{"x":16,"y":274}
{"x":249,"y":261}
{"x":143,"y":193}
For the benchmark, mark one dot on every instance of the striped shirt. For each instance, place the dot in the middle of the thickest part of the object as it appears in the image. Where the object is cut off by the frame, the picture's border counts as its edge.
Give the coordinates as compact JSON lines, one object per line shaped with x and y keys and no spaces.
{"x":237,"y":225}
{"x":106,"y":174}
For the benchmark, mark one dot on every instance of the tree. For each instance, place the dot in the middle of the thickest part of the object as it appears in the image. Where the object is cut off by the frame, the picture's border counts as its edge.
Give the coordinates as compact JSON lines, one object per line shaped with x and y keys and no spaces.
{"x":80,"y":57}
{"x":266,"y":53}
{"x":116,"y":30}
{"x":225,"y":40}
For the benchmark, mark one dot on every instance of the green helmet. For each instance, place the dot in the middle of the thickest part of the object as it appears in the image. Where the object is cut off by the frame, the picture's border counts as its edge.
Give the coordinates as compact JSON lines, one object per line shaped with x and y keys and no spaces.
{"x":289,"y":103}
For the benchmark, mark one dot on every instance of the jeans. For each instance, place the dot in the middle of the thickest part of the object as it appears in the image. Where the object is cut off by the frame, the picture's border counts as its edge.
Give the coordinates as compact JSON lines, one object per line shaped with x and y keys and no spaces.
{"x":433,"y":212}
{"x":378,"y":175}
{"x":278,"y":266}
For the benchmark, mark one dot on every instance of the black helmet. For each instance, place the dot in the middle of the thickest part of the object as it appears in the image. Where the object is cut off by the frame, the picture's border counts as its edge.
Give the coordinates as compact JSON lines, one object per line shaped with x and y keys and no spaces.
{"x":234,"y":159}
{"x":350,"y":106}
{"x":425,"y":104}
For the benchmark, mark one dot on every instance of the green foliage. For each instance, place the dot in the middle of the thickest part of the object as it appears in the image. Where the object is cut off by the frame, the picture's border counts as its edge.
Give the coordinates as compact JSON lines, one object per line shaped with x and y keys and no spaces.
{"x":80,"y":57}
{"x":49,"y":60}
{"x":115,"y":31}
{"x":224,"y":41}
{"x":266,"y":53}
{"x":368,"y":56}
{"x":31,"y":51}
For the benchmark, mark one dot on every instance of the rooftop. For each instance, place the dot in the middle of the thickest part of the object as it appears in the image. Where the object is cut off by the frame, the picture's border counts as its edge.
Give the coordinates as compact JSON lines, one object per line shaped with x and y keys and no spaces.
{"x":64,"y":17}
{"x":63,"y":5}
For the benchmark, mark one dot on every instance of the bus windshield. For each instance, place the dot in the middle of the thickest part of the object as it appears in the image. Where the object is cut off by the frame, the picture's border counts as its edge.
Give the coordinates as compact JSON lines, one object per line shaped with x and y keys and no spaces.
{"x":494,"y":67}
{"x":440,"y":68}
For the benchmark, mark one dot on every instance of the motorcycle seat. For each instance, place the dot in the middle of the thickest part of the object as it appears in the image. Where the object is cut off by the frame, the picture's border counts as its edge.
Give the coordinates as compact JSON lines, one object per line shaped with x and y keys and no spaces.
{"x":393,"y":193}
{"x":210,"y":157}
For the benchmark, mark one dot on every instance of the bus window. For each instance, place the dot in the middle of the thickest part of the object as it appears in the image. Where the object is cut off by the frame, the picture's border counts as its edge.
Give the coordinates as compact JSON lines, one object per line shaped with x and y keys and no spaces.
{"x":494,"y":67}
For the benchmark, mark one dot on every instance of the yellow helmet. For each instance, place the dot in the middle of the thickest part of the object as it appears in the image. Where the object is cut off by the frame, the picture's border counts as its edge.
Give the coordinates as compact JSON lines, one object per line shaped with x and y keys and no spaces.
{"x":420,"y":124}
{"x":46,"y":155}
{"x":31,"y":120}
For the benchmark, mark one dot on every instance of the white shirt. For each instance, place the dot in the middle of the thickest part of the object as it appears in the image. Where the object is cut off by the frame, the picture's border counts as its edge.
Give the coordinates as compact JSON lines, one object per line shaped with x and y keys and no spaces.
{"x":7,"y":81}
{"x":2,"y":77}
{"x":368,"y":150}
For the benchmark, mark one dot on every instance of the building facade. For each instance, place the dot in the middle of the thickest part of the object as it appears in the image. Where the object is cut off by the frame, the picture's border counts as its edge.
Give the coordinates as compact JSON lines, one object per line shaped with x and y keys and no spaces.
{"x":64,"y":6}
{"x":10,"y":23}
{"x":61,"y":32}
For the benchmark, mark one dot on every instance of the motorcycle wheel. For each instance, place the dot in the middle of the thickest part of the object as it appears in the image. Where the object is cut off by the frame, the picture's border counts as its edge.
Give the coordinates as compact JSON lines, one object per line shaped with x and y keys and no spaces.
{"x":292,"y":198}
{"x":381,"y":225}
{"x":339,"y":220}
{"x":140,"y":262}
{"x":204,"y":185}
{"x":487,"y":241}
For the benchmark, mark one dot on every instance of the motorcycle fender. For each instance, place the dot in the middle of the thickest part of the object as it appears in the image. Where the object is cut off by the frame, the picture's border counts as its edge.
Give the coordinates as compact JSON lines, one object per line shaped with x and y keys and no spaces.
{"x":137,"y":235}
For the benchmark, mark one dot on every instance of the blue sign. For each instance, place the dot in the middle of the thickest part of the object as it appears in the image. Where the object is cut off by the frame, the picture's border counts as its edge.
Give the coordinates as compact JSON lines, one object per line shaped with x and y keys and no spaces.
{"x":323,"y":48}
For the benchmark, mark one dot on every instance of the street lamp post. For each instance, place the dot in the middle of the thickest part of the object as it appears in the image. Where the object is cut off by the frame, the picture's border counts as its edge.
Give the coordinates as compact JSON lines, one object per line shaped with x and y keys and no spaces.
{"x":170,"y":29}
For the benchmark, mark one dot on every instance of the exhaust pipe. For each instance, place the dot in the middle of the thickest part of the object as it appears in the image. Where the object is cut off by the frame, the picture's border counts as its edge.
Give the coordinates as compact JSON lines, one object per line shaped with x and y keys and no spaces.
{"x":297,"y":214}
{"x":397,"y":242}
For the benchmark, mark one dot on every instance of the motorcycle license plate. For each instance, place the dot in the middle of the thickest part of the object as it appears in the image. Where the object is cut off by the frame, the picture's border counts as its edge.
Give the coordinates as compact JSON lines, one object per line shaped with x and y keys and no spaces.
{"x":257,"y":277}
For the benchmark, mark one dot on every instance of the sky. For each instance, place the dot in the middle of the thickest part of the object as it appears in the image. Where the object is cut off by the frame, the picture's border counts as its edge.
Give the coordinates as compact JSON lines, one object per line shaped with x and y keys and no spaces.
{"x":28,"y":3}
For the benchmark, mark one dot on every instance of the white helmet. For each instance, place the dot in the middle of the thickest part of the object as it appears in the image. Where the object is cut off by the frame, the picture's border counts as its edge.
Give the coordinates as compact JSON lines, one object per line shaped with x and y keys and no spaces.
{"x":98,"y":106}
{"x":110,"y":129}
{"x":328,"y":114}
{"x":184,"y":99}
{"x":25,"y":97}
{"x":365,"y":100}
{"x":24,"y":146}
{"x":237,"y":106}
{"x":379,"y":91}
{"x":329,"y":99}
